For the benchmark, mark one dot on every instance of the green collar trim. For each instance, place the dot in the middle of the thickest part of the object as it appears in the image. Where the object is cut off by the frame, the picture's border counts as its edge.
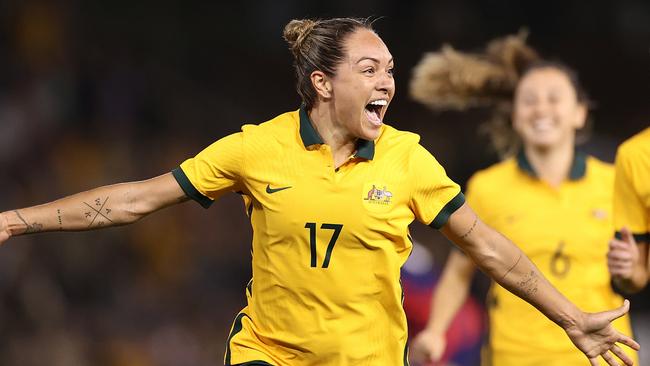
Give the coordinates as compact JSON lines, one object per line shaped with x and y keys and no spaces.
{"x":365,"y":149}
{"x":309,"y":136}
{"x":578,"y":167}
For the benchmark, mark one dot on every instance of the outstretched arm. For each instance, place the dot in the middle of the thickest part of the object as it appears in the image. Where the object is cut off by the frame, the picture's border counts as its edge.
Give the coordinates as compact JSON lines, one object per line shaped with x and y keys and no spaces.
{"x":112,"y":205}
{"x":450,"y":294}
{"x":505,"y":263}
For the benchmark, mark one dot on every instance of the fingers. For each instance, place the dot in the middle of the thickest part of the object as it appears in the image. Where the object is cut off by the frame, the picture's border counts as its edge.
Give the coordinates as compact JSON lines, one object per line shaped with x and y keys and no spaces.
{"x":620,"y":254}
{"x":620,"y":272}
{"x":4,"y":228}
{"x":615,"y":244}
{"x":622,"y":355}
{"x":614,"y":314}
{"x":3,"y":237}
{"x":610,"y":359}
{"x":627,"y":236}
{"x":628,"y":342}
{"x":620,"y":264}
{"x":423,"y":348}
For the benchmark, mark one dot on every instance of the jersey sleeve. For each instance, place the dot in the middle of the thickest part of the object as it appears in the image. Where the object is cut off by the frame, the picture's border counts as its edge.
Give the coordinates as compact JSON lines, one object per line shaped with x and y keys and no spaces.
{"x":629,"y":210}
{"x":434,"y":196}
{"x":475,"y":195}
{"x":214,"y":171}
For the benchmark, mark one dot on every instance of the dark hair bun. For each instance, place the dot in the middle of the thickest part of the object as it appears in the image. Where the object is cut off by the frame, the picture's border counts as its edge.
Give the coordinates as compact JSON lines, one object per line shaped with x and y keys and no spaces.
{"x":295,"y":33}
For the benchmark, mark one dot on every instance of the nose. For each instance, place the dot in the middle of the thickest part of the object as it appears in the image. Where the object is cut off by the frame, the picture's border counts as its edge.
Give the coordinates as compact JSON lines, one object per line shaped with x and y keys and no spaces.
{"x":386,"y":83}
{"x":540,"y":108}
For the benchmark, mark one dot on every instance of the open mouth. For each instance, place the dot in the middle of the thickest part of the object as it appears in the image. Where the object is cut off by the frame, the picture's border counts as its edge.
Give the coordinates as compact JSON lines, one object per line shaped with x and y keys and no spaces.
{"x":374,"y":109}
{"x":543,"y":125}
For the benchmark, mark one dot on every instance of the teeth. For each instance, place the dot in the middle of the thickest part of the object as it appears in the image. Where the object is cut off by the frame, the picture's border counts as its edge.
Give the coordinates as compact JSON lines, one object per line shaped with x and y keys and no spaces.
{"x":543,"y":124}
{"x":379,"y":102}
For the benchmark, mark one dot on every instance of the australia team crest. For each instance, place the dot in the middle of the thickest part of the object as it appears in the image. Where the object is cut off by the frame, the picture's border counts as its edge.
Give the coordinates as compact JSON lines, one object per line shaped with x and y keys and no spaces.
{"x":377,"y":194}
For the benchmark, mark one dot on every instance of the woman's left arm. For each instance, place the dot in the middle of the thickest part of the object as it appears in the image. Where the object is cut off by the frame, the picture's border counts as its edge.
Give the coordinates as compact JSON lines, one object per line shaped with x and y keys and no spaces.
{"x":502,"y":260}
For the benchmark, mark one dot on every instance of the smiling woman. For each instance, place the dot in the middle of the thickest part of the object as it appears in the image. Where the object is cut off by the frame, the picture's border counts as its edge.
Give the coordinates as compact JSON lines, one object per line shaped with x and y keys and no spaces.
{"x":566,"y":190}
{"x":346,"y":87}
{"x":330,"y":191}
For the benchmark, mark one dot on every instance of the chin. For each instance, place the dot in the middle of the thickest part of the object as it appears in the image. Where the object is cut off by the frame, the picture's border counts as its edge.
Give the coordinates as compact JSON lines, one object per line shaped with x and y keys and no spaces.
{"x":543,"y":144}
{"x":545,"y":141}
{"x":370,"y":134}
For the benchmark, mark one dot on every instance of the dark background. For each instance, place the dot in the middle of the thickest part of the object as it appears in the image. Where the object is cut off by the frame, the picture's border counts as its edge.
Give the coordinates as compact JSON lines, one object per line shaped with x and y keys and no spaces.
{"x":99,"y":92}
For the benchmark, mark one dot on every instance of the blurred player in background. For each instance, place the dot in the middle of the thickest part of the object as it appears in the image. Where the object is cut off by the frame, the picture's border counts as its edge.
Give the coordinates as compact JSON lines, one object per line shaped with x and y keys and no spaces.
{"x":548,"y":197}
{"x":330,"y":191}
{"x":628,"y":253}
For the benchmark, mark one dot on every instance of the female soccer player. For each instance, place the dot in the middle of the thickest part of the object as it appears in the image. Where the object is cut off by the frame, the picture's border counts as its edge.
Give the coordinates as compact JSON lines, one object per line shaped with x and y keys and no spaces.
{"x":552,"y":200}
{"x":627,"y":258}
{"x":330,"y":191}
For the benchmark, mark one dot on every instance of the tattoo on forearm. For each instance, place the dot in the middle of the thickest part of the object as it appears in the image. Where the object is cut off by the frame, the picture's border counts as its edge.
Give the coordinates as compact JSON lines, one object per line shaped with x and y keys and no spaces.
{"x":470,"y":229}
{"x":98,"y":210}
{"x":58,"y":212}
{"x":529,"y":283}
{"x":33,"y":228}
{"x":513,"y":266}
{"x":183,"y":199}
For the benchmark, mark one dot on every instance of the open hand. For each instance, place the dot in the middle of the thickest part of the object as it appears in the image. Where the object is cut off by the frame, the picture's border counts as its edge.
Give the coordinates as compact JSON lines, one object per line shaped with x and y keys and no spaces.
{"x":427,"y":347}
{"x":595,"y":336}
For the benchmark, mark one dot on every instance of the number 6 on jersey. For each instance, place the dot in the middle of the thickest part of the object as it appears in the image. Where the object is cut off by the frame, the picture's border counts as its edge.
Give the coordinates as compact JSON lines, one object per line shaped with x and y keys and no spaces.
{"x":330,"y":247}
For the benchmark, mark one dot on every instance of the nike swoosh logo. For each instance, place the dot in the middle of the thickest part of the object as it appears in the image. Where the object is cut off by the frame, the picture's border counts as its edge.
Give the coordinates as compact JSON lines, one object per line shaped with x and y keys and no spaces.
{"x":270,"y":190}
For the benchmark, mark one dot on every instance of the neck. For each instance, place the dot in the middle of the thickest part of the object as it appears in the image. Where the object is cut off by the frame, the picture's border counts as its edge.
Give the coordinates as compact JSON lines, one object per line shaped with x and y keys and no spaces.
{"x":342,"y":143}
{"x":552,"y":165}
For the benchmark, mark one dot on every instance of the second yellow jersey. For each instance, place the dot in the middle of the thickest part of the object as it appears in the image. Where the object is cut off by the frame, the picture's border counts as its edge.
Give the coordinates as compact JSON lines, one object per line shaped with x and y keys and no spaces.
{"x":328,"y":243}
{"x":565,"y":232}
{"x":632,"y":188}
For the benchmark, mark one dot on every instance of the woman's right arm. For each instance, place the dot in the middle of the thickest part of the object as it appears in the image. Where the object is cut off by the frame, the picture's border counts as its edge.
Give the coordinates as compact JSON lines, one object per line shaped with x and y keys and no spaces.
{"x":449,"y":296}
{"x":112,"y":205}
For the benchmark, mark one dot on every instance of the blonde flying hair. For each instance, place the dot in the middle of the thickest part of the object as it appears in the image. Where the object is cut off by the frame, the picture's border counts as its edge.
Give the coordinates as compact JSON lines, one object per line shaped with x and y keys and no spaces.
{"x":454,"y":80}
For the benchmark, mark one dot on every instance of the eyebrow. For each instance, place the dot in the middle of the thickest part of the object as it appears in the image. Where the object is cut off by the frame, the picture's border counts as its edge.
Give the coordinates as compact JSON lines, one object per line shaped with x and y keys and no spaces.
{"x":375,"y":60}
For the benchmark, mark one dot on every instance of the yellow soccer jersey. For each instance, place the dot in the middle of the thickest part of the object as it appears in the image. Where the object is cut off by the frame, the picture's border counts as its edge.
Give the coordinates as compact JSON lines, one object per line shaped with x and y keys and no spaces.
{"x":328,"y":244}
{"x":632,"y":186}
{"x":565,"y":232}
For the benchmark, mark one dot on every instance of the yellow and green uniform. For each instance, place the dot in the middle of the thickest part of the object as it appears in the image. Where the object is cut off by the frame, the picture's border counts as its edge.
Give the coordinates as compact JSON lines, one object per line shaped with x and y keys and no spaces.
{"x":632,"y":186}
{"x":565,"y":232}
{"x":328,"y":244}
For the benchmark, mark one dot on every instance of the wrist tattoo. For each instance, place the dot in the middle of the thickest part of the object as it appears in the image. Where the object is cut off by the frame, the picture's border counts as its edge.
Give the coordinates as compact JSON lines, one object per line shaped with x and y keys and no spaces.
{"x":470,"y":229}
{"x":33,"y":228}
{"x":58,"y":212}
{"x":98,"y":209}
{"x":529,"y":283}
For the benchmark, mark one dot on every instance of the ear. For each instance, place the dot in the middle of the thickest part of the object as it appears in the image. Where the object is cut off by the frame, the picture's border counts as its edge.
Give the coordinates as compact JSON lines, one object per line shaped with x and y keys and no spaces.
{"x":581,"y":115}
{"x":321,"y":84}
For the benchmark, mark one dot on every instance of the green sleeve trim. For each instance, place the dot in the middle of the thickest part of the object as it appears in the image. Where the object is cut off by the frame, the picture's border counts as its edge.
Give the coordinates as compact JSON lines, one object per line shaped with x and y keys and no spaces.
{"x":639,"y":238}
{"x":189,"y":188}
{"x":447,"y":210}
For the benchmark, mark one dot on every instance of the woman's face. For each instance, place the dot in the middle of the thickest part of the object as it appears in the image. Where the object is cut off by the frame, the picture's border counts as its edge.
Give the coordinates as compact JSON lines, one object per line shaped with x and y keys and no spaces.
{"x":546,"y":109}
{"x":363,"y":85}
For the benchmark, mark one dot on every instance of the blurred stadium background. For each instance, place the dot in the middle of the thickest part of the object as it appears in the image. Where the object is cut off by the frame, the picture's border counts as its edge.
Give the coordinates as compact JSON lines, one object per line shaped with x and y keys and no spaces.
{"x":98,"y":92}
